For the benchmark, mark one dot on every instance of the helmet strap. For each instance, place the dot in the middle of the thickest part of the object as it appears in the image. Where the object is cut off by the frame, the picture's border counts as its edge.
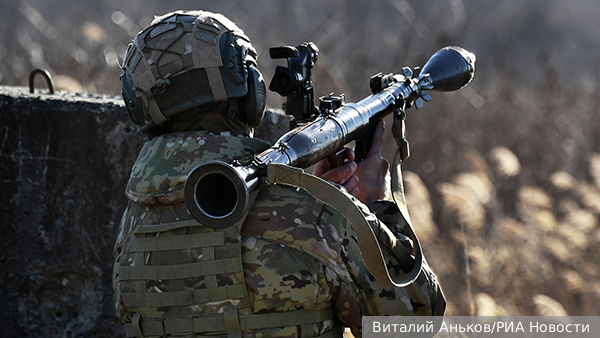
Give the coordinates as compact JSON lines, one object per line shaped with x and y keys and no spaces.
{"x":155,"y":112}
{"x":216,"y":84}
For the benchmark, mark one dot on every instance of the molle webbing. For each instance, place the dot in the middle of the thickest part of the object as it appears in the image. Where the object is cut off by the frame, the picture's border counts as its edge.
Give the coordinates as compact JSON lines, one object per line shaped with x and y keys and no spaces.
{"x":179,"y":242}
{"x":217,"y":253}
{"x":233,"y":319}
{"x":183,"y":298}
{"x":180,"y":271}
{"x":145,"y":242}
{"x":218,"y":323}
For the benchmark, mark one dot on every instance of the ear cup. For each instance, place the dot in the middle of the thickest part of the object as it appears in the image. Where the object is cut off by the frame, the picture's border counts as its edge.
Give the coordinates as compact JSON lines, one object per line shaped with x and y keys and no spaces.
{"x":254,"y":102}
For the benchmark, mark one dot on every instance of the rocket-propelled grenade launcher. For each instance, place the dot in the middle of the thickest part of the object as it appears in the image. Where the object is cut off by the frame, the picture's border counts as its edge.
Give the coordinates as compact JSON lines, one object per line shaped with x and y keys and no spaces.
{"x":217,"y":194}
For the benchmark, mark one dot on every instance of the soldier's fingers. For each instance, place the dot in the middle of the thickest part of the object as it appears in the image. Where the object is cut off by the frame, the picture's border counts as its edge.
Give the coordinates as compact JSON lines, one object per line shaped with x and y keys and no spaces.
{"x":352,"y":183}
{"x":340,"y":174}
{"x":354,"y":192}
{"x":321,"y":167}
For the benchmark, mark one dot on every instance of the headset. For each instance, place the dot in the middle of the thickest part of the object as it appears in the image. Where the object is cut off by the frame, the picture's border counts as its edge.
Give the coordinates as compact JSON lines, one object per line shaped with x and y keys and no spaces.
{"x":187,"y":94}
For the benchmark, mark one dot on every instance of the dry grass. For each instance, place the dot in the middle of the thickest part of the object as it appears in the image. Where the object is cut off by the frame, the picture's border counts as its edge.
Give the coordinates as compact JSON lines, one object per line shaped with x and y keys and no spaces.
{"x":541,"y":262}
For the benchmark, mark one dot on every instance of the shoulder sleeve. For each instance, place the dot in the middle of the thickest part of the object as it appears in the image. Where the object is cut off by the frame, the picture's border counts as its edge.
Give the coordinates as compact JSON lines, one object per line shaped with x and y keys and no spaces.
{"x":294,"y":218}
{"x":424,"y":297}
{"x":390,"y":222}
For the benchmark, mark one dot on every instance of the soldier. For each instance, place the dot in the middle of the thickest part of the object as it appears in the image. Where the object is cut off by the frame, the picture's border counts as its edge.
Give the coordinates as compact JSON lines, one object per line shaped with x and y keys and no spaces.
{"x":293,"y":268}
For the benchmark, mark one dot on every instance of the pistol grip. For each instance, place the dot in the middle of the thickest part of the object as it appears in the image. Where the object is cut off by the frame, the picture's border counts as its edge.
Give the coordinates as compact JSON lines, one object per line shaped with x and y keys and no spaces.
{"x":361,"y":149}
{"x":363,"y":145}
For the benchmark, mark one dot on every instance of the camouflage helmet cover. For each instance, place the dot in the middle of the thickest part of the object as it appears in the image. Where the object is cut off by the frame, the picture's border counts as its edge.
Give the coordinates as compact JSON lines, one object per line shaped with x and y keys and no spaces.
{"x":186,"y":63}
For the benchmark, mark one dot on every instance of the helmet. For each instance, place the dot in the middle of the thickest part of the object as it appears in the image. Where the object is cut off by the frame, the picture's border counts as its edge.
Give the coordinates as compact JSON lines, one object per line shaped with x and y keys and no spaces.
{"x":187,"y":63}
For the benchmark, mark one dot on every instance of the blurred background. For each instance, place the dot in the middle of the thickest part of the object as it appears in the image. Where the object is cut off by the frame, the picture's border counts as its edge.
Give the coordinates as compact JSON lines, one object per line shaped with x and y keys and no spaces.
{"x":503,"y":182}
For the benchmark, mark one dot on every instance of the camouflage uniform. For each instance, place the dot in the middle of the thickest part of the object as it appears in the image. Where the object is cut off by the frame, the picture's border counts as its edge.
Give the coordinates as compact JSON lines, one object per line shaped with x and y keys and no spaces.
{"x":298,"y":254}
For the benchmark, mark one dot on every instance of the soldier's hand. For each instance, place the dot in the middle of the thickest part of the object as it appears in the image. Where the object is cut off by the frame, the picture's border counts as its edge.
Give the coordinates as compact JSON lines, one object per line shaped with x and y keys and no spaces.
{"x":339,"y":168}
{"x":368,"y":180}
{"x":373,"y":173}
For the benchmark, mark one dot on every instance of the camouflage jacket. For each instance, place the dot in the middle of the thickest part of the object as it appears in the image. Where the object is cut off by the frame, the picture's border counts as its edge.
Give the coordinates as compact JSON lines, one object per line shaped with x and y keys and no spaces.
{"x":297,"y":253}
